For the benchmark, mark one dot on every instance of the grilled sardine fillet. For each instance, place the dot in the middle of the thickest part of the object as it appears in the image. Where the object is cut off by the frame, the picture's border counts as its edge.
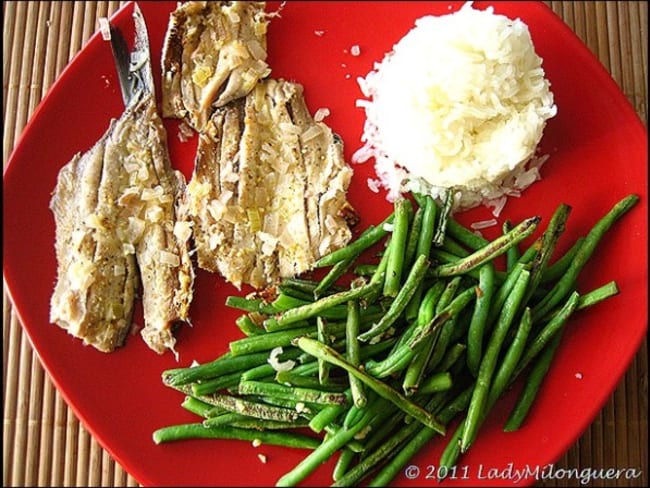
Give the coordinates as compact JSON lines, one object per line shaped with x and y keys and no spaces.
{"x":269,"y":191}
{"x":119,"y":214}
{"x":121,"y":221}
{"x":213,"y":53}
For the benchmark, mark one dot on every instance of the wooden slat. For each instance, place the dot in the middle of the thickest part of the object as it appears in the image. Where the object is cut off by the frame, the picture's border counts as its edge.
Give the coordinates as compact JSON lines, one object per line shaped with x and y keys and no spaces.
{"x":44,"y":443}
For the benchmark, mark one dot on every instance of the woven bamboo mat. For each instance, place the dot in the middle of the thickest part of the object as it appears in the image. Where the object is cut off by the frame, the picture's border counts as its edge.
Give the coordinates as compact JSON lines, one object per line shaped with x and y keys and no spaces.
{"x":44,"y":443}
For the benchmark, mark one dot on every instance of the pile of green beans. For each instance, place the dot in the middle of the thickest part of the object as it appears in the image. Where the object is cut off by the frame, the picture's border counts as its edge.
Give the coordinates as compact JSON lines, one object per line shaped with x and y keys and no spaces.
{"x":372,"y":361}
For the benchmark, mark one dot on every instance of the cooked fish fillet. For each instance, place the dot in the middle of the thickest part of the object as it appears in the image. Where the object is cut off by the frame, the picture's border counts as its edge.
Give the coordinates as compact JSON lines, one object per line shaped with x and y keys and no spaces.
{"x":213,"y":53}
{"x":116,"y":206}
{"x":268,"y":193}
{"x":121,"y":221}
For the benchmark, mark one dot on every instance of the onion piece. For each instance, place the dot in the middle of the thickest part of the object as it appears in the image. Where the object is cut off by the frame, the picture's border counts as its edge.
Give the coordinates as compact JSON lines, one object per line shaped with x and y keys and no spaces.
{"x":277,"y":365}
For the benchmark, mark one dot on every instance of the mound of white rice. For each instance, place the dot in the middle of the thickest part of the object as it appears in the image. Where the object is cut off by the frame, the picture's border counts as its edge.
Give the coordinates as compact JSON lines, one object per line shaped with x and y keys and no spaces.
{"x":460,"y":102}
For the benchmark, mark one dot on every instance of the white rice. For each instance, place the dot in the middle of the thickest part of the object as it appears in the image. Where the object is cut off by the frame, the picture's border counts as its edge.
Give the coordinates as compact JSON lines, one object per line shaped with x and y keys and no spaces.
{"x":460,"y":102}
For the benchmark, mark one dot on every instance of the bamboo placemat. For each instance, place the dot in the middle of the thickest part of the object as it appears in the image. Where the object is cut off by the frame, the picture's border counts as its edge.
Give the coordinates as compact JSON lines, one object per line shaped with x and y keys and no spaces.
{"x":44,"y":443}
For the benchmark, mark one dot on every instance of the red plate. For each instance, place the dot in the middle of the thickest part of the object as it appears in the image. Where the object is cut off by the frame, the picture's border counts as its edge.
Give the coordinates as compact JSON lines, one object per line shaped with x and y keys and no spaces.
{"x":598,"y":149}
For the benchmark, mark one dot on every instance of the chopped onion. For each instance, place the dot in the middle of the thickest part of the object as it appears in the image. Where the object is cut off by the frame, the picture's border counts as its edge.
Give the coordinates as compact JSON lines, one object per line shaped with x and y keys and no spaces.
{"x":278,"y":366}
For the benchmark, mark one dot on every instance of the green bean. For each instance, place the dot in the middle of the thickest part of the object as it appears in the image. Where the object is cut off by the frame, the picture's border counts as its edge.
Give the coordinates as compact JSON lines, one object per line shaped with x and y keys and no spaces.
{"x":424,"y":242}
{"x":273,"y":326}
{"x":320,"y":350}
{"x":353,"y":353}
{"x":395,"y":362}
{"x":321,"y":454}
{"x":291,"y":393}
{"x":242,"y":421}
{"x":324,"y":337}
{"x":248,"y":326}
{"x":566,"y":283}
{"x":338,"y":270}
{"x":531,"y":252}
{"x":198,"y":431}
{"x":444,"y":339}
{"x":291,"y":378}
{"x":251,"y":423}
{"x":488,"y":364}
{"x":454,"y":354}
{"x":490,"y":251}
{"x":445,"y":213}
{"x":250,"y":408}
{"x":343,"y":463}
{"x":465,"y":236}
{"x":202,"y":409}
{"x":401,"y":300}
{"x":532,"y":385}
{"x":421,"y":438}
{"x":410,"y":249}
{"x":205,"y":387}
{"x":370,"y":237}
{"x":322,"y":304}
{"x":548,"y":331}
{"x":597,"y":295}
{"x":328,"y":415}
{"x":435,"y":383}
{"x":268,"y":341}
{"x":285,"y":302}
{"x":365,"y":269}
{"x":512,"y":254}
{"x":511,"y":359}
{"x":559,"y":267}
{"x":451,"y":452}
{"x":226,"y":363}
{"x":401,"y":355}
{"x":476,"y":331}
{"x":379,"y":434}
{"x":501,"y":294}
{"x":451,"y":246}
{"x":362,"y":469}
{"x":250,"y":304}
{"x":395,"y":262}
{"x":354,"y":444}
{"x":304,"y":409}
{"x":303,"y":285}
{"x":450,"y":311}
{"x":379,"y":276}
{"x":417,"y":366}
{"x":550,"y":237}
{"x":428,"y":226}
{"x":355,"y":413}
{"x":286,"y":293}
